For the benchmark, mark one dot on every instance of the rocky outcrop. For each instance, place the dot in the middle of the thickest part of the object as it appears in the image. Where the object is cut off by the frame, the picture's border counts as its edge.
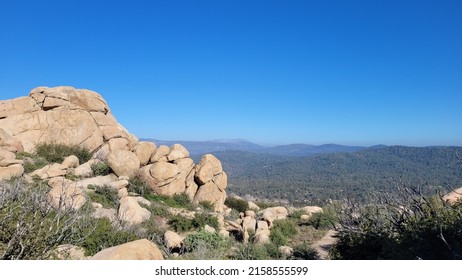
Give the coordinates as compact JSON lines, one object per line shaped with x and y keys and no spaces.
{"x":172,"y":240}
{"x":131,"y":212}
{"x":144,"y":151}
{"x":136,"y":250}
{"x":124,"y":163}
{"x":310,"y":210}
{"x":211,"y":181}
{"x":61,"y":115}
{"x":10,"y":167}
{"x":274,"y":213}
{"x":9,"y":143}
{"x":168,"y":172}
{"x":70,"y":116}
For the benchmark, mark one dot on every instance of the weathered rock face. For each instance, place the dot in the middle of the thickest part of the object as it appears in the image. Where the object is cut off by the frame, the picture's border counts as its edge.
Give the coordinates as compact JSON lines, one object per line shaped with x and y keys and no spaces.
{"x":131,"y":212}
{"x":172,"y":240}
{"x":124,"y":163}
{"x":136,"y":250}
{"x":10,"y":167}
{"x":9,"y":143}
{"x":11,"y":171}
{"x":60,"y":115}
{"x":212,"y":181}
{"x":310,"y":210}
{"x":144,"y":151}
{"x":173,"y":172}
{"x":65,"y":115}
{"x":274,"y":213}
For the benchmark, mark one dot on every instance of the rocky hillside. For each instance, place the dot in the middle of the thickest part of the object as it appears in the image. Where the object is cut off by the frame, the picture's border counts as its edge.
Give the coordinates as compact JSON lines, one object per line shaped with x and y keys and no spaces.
{"x":107,"y":188}
{"x":69,"y":116}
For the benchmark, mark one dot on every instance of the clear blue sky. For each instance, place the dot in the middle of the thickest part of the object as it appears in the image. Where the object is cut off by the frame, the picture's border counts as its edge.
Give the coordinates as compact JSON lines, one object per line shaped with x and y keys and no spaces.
{"x":273,"y":72}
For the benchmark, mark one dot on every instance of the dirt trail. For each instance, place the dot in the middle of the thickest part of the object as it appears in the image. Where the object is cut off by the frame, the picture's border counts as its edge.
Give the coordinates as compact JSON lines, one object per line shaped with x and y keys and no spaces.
{"x":325,"y":243}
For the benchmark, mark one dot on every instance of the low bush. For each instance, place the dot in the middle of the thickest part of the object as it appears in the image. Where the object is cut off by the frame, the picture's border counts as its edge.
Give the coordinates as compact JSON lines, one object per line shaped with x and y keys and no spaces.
{"x":282,"y":230}
{"x":138,"y":186}
{"x":30,"y":229}
{"x":202,"y":245}
{"x":323,"y":220}
{"x":409,"y":226}
{"x":304,"y":252}
{"x":182,"y":224}
{"x":202,"y":219}
{"x":252,"y":251}
{"x":101,"y":169}
{"x":103,"y":235}
{"x":107,"y":196}
{"x":239,"y":205}
{"x":176,"y":201}
{"x":57,"y":152}
{"x":32,"y":164}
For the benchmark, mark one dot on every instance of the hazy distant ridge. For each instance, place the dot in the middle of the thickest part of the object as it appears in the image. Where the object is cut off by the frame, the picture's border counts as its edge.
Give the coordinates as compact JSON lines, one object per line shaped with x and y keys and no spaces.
{"x":203,"y":147}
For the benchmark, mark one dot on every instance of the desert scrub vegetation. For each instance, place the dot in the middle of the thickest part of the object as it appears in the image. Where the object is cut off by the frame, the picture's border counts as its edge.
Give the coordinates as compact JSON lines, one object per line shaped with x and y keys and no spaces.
{"x":183,"y":224}
{"x":138,"y":186}
{"x":323,"y":220}
{"x":105,"y":195}
{"x":53,"y":152}
{"x":176,"y":201}
{"x":202,"y":245}
{"x":281,"y":231}
{"x":103,"y":235}
{"x":409,"y":225}
{"x":304,"y":251}
{"x":30,"y":228}
{"x":101,"y":169}
{"x":237,"y":204}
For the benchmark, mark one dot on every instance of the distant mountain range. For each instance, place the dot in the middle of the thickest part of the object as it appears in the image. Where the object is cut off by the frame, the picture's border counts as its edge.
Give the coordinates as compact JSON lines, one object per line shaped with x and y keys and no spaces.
{"x":315,"y":179}
{"x":293,"y":150}
{"x":301,"y":173}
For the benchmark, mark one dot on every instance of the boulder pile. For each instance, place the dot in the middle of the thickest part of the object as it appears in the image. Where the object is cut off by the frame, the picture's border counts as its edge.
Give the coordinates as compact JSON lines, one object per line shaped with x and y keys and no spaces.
{"x":70,"y":116}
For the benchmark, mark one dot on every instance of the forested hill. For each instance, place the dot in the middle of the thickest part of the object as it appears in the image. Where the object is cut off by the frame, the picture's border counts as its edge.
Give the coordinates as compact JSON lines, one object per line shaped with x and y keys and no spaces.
{"x":317,"y":178}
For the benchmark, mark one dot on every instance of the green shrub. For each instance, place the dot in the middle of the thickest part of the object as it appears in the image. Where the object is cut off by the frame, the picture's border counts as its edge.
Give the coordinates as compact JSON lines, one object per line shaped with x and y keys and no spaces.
{"x":323,"y":220}
{"x":181,"y":224}
{"x":24,"y":155}
{"x":159,"y":210}
{"x":32,"y":164}
{"x":107,"y":196}
{"x":202,"y":219}
{"x":304,"y":252}
{"x":281,"y":231}
{"x":29,"y":228}
{"x":176,"y":201}
{"x":207,"y":205}
{"x":57,"y":152}
{"x":425,"y":227}
{"x":237,"y":204}
{"x":101,"y":169}
{"x":138,"y":186}
{"x":297,"y":214}
{"x":103,"y":236}
{"x":206,"y":240}
{"x":251,"y":251}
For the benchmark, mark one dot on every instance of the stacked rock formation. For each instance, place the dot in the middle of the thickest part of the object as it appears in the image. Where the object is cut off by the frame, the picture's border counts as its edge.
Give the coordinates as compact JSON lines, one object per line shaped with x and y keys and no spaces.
{"x":65,"y":115}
